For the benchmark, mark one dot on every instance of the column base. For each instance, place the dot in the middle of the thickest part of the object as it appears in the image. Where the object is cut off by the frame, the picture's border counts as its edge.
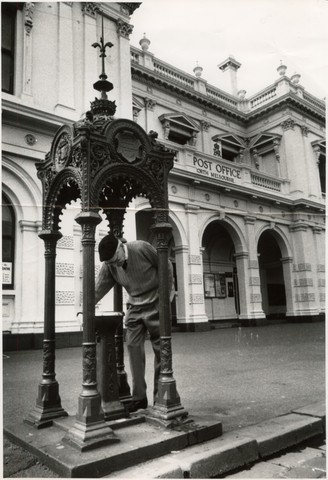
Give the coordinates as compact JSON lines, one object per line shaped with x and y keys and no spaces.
{"x":167,"y":410}
{"x":89,"y":436}
{"x":167,"y":417}
{"x":90,"y":429}
{"x":48,"y":407}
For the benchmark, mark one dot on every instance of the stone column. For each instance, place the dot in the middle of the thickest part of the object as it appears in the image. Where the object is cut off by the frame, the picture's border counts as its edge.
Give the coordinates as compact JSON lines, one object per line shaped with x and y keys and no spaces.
{"x":167,"y":408}
{"x":316,"y":188}
{"x":48,"y":403}
{"x":287,"y":266}
{"x":294,"y":158}
{"x":319,"y":241}
{"x":195,"y":260}
{"x":181,"y":260}
{"x":90,"y":429}
{"x":254,"y":284}
{"x":242,"y":266}
{"x":303,"y":268}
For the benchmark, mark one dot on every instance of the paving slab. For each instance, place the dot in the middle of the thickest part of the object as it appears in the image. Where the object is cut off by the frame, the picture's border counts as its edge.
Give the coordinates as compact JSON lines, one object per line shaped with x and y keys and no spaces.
{"x":138,"y":443}
{"x":294,"y":459}
{"x":261,"y":470}
{"x":317,"y":409}
{"x":283,"y":432}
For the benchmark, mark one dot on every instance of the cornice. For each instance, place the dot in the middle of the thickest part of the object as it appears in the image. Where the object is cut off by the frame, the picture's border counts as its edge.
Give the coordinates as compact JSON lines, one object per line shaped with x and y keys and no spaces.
{"x":245,"y":118}
{"x":288,"y":100}
{"x":12,"y":109}
{"x":193,"y":96}
{"x":248,"y":193}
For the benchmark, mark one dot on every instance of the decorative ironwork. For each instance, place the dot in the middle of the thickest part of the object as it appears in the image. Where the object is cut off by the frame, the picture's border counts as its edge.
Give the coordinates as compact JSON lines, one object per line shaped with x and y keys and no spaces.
{"x":89,"y":364}
{"x":49,"y":358}
{"x":166,"y":356}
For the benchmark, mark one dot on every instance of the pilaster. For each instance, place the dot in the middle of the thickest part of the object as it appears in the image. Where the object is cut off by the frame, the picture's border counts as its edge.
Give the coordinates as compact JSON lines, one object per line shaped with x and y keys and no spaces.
{"x":195,"y":262}
{"x":29,"y":282}
{"x":304,"y":269}
{"x":206,"y":141}
{"x":252,"y":274}
{"x":90,"y":66}
{"x":65,"y":70}
{"x":294,"y":158}
{"x":124,"y":31}
{"x":27,"y":87}
{"x":183,"y":306}
{"x":291,"y":305}
{"x":320,"y":246}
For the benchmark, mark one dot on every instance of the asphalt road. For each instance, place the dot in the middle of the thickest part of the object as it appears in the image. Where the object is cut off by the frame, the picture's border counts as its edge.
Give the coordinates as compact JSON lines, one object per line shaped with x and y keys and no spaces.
{"x":241,"y":376}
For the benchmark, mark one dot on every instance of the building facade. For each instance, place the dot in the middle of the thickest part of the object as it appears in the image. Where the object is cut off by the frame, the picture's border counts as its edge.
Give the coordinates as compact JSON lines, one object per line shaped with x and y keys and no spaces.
{"x":246,"y":194}
{"x":247,"y":191}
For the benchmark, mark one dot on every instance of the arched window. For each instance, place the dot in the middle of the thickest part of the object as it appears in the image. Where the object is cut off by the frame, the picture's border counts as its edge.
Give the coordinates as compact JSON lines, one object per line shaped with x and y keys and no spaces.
{"x":8,"y":243}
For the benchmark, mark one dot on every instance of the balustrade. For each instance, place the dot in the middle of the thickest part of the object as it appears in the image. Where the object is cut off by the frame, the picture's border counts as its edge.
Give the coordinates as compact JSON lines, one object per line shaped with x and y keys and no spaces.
{"x":265,"y":182}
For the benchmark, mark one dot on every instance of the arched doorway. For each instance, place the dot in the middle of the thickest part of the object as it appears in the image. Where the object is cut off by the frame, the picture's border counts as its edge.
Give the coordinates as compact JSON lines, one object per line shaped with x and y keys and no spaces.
{"x":271,"y":276}
{"x":220,"y":273}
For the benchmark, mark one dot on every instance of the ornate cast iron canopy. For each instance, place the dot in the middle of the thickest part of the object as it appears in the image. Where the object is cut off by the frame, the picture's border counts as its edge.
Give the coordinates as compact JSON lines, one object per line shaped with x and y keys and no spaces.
{"x":106,"y":163}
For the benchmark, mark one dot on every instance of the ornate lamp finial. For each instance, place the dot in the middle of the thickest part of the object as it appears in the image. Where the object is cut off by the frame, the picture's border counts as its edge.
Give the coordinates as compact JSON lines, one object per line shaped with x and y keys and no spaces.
{"x":103,"y":105}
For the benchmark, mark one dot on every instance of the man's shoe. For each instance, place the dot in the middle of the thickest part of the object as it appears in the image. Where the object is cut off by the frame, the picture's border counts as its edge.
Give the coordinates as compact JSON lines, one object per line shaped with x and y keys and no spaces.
{"x":137,"y":405}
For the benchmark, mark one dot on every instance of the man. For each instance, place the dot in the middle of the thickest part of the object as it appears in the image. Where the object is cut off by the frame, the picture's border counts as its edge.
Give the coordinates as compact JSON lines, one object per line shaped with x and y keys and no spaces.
{"x":134,"y":265}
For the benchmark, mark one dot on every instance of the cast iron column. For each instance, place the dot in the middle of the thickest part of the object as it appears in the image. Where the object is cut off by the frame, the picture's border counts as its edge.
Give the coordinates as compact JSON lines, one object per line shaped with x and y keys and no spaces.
{"x":48,"y":403}
{"x":90,"y":429}
{"x":167,"y":407}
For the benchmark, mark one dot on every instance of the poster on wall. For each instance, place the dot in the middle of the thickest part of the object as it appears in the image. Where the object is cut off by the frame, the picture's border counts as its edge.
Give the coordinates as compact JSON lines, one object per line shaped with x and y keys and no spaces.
{"x":6,"y":273}
{"x":220,"y":284}
{"x":209,"y":285}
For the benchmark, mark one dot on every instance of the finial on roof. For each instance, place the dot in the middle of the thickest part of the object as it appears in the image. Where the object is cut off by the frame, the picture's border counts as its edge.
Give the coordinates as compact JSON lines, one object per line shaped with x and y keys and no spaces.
{"x":198,"y":70}
{"x":281,"y":69}
{"x":295,"y":78}
{"x":144,"y":43}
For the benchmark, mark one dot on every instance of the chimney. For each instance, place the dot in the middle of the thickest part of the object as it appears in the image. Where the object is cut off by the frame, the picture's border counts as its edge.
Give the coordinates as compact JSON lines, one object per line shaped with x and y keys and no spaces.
{"x":231,"y":65}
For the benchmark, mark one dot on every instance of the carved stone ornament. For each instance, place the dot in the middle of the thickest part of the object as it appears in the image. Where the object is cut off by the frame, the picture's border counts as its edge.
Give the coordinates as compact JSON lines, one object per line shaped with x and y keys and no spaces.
{"x":304,"y":130}
{"x":288,"y":124}
{"x":149,"y":104}
{"x":90,"y":8}
{"x":29,"y":9}
{"x":62,"y":151}
{"x":205,"y":125}
{"x":124,"y":29}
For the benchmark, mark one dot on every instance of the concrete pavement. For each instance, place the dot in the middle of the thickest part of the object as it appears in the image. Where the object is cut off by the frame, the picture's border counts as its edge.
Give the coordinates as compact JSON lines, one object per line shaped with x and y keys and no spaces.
{"x":241,"y":376}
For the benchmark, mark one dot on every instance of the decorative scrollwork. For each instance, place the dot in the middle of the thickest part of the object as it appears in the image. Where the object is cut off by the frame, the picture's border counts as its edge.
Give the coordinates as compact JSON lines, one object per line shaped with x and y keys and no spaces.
{"x":166,"y":356}
{"x":49,"y":357}
{"x":89,"y":364}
